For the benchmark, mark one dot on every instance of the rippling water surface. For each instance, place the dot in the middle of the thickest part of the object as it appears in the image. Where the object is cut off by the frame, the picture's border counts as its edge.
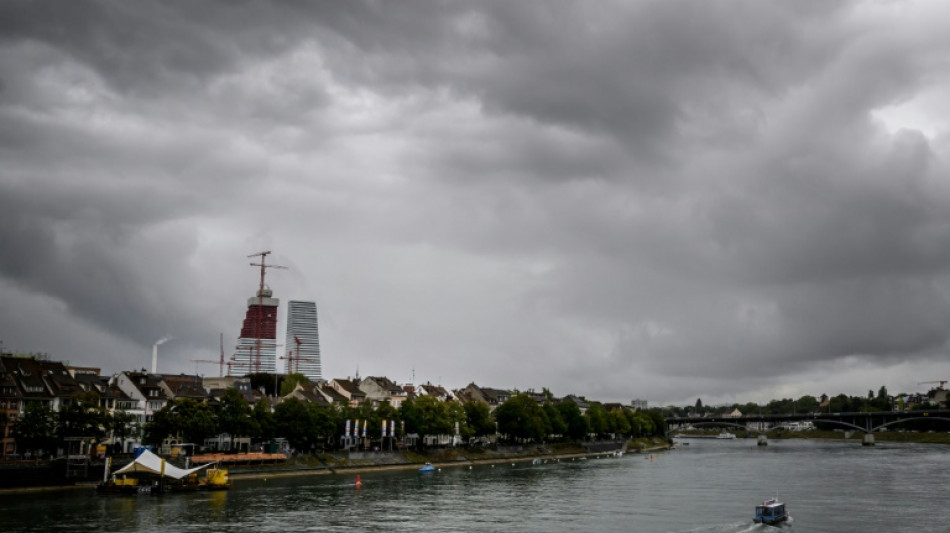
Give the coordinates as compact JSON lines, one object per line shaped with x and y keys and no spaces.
{"x":707,"y":486}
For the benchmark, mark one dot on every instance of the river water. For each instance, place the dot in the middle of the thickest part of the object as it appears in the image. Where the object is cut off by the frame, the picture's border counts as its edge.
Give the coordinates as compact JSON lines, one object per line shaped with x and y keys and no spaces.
{"x":706,"y":486}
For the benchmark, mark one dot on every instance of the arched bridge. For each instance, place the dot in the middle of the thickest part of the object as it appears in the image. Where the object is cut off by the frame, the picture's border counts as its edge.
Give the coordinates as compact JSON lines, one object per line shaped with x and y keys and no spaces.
{"x":867,"y":423}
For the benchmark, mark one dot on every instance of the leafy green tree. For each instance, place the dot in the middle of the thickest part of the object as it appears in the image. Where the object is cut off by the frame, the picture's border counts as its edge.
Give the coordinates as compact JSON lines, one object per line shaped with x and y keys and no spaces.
{"x":121,"y":425}
{"x":749,"y":409}
{"x":456,"y":415}
{"x":845,"y":404}
{"x":558,"y":425}
{"x":597,"y":418}
{"x":640,"y":423}
{"x":657,"y":423}
{"x":290,"y":382}
{"x":325,"y":420}
{"x":294,"y":421}
{"x":163,"y":424}
{"x":478,"y":418}
{"x":235,"y":417}
{"x":82,"y":417}
{"x":807,"y":404}
{"x":386,"y":411}
{"x":411,"y":416}
{"x":780,"y":407}
{"x":618,"y":423}
{"x":436,"y":415}
{"x":197,"y":420}
{"x":35,"y":430}
{"x":265,"y":420}
{"x":426,"y":415}
{"x":882,"y":402}
{"x":522,"y":418}
{"x":675,"y":412}
{"x":185,"y":418}
{"x":577,"y":428}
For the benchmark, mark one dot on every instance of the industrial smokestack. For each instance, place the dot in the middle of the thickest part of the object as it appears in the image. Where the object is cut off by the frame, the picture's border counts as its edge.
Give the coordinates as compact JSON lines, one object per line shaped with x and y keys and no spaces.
{"x":163,"y":340}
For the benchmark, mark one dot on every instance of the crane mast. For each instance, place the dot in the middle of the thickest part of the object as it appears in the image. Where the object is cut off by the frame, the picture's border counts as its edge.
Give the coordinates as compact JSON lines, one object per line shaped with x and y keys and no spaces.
{"x":260,"y":309}
{"x":293,"y":361}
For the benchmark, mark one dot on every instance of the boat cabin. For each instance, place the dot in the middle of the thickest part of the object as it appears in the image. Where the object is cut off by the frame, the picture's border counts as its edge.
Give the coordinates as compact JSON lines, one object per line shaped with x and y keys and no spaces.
{"x":771,"y":511}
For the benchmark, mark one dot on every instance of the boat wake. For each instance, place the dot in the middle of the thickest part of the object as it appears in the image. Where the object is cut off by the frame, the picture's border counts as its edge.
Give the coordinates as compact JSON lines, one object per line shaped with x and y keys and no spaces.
{"x":737,"y":527}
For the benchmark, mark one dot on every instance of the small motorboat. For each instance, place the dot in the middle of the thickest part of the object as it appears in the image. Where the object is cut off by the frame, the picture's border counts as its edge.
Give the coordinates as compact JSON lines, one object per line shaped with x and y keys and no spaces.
{"x":725,"y":435}
{"x":427,"y":468}
{"x":770,"y":512}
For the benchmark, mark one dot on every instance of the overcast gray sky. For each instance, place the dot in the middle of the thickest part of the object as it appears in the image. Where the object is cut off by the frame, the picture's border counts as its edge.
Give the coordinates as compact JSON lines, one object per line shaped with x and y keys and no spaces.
{"x":729,"y":200}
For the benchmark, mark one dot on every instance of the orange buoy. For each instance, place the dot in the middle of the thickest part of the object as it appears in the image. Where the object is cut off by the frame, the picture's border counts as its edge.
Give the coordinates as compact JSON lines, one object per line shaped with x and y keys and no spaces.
{"x":359,"y":482}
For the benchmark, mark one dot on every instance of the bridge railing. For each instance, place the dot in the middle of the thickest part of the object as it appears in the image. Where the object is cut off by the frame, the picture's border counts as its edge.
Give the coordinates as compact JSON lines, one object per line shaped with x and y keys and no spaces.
{"x":863,"y":421}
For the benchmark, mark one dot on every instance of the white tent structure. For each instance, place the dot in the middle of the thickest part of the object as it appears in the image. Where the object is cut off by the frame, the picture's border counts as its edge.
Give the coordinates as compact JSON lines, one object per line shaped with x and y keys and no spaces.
{"x":149,"y":463}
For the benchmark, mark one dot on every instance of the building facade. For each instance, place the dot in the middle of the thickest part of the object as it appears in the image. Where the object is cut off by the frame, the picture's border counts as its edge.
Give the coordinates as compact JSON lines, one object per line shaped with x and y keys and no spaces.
{"x":302,"y":344}
{"x":256,"y":350}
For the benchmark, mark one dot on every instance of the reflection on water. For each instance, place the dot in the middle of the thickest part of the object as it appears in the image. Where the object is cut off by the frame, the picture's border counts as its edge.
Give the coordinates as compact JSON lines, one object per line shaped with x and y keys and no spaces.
{"x":709,"y":486}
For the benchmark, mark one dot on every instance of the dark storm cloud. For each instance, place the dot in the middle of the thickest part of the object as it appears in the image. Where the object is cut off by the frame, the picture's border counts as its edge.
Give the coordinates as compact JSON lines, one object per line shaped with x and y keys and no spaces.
{"x":636,"y":73}
{"x":610,"y":198}
{"x":150,"y":46}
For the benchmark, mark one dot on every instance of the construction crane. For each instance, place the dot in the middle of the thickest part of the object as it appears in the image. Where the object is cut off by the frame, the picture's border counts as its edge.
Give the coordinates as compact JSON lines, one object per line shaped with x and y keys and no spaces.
{"x":251,"y":366}
{"x":233,"y":363}
{"x":247,"y":365}
{"x":940,"y":381}
{"x":260,"y":306}
{"x":210,"y":362}
{"x":220,"y":362}
{"x":293,"y":362}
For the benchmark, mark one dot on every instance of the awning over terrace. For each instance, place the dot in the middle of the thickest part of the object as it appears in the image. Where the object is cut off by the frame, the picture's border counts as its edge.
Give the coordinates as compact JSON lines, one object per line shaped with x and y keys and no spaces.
{"x":149,"y":463}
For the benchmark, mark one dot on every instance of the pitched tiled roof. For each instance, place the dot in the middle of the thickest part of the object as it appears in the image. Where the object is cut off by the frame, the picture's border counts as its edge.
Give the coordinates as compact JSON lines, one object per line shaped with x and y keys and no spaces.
{"x":184,"y":386}
{"x":331,"y":393}
{"x":350,"y":386}
{"x":386,"y":384}
{"x":145,"y":382}
{"x":309,"y":396}
{"x":37,"y":378}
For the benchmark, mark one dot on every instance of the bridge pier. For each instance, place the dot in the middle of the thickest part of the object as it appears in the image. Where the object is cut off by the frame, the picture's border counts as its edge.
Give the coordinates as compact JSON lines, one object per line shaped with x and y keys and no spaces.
{"x":763,"y":440}
{"x":868,"y":440}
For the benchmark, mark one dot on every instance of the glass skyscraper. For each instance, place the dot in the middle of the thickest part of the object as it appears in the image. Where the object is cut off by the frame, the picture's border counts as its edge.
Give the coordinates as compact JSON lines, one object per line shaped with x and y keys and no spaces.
{"x":302,"y":346}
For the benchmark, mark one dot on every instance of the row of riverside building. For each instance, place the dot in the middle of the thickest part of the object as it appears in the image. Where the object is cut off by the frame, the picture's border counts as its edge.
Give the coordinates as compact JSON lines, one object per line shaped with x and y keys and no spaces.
{"x":31,"y":379}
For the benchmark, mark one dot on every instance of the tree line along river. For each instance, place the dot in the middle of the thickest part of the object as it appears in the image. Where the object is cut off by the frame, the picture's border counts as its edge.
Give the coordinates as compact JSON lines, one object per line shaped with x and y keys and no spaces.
{"x":706,"y":486}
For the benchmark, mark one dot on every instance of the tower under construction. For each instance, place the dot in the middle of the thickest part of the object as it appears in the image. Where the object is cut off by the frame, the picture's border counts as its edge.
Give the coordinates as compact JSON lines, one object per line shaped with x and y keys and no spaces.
{"x":256,"y":350}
